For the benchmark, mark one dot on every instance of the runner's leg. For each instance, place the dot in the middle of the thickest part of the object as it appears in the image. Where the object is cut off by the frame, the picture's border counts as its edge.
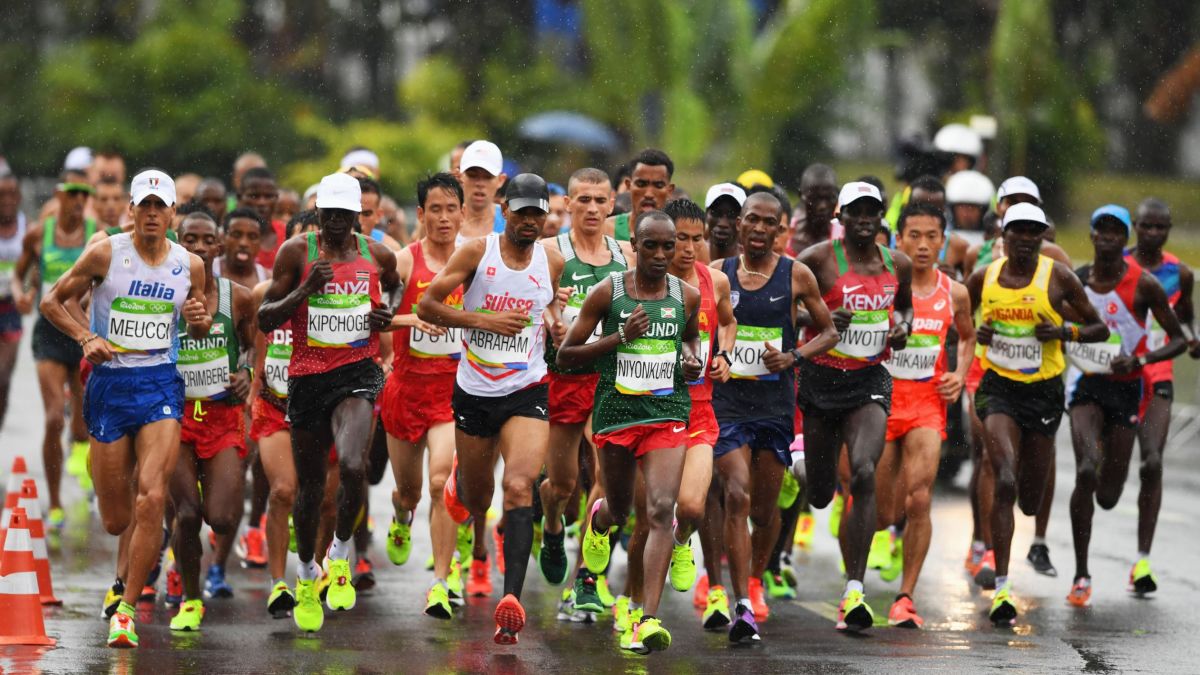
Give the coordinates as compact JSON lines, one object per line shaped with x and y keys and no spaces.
{"x":157,"y":448}
{"x":275,"y":454}
{"x":864,"y":432}
{"x":1152,"y":436}
{"x":661,"y":471}
{"x":522,"y":442}
{"x":922,"y":448}
{"x":766,"y":476}
{"x":185,"y":493}
{"x":52,"y":379}
{"x":8,"y":361}
{"x":443,"y":531}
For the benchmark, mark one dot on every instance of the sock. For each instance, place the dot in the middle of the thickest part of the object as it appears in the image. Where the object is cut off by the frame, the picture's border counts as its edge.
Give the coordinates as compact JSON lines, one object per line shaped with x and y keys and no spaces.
{"x":892,"y":531}
{"x":853,"y":585}
{"x":437,"y":581}
{"x":308,"y":571}
{"x":1143,"y":555}
{"x":518,"y":542}
{"x":1039,"y":541}
{"x":675,"y":538}
{"x":1001,"y":582}
{"x":276,"y":582}
{"x":1085,"y":582}
{"x":125,"y":608}
{"x":406,"y":519}
{"x":902,"y":595}
{"x":634,"y":605}
{"x":977,"y":546}
{"x":339,"y":549}
{"x":745,"y":602}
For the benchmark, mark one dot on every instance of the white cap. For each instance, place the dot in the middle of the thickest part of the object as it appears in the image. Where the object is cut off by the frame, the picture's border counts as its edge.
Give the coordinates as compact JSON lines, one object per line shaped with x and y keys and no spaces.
{"x":852,"y":192}
{"x":959,"y":139}
{"x":1019,"y":185}
{"x":152,"y":182}
{"x":311,"y":192}
{"x":339,"y":191}
{"x":361,"y":157}
{"x":724,"y":190}
{"x":484,"y":155}
{"x":1024,"y":212}
{"x":79,"y":159}
{"x":969,"y":187}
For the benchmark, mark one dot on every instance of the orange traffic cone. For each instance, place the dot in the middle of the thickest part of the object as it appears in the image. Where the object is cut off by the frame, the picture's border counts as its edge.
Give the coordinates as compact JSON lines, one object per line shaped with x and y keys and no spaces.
{"x":20,"y":609}
{"x":37,"y":534}
{"x":12,"y":493}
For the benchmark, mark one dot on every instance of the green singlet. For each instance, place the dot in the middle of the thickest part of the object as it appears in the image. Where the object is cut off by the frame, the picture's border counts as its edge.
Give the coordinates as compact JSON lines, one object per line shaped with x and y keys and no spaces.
{"x":206,"y":363}
{"x":582,"y":277}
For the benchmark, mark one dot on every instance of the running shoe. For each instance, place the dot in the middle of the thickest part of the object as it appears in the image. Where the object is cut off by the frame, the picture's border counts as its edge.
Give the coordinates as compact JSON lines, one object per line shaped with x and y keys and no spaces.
{"x":597,"y":547}
{"x":1004,"y":607}
{"x":479,"y":582}
{"x":498,"y":540}
{"x":974,"y":557}
{"x":77,"y":461}
{"x":215,"y":585}
{"x":536,"y":548}
{"x":716,"y":610}
{"x":758,"y":599}
{"x":880,"y":555}
{"x":552,"y":559}
{"x":252,"y":546}
{"x":463,"y":543}
{"x":429,"y":563}
{"x":895,"y":564}
{"x":985,"y":574}
{"x":586,"y":597}
{"x":364,"y":575}
{"x":291,"y":535}
{"x":620,"y":612}
{"x":324,"y":581}
{"x":904,"y":614}
{"x":683,"y":567}
{"x":399,"y":542}
{"x":1081,"y":592}
{"x":340,"y":596}
{"x":777,"y":588}
{"x":651,"y":635}
{"x":628,"y":639}
{"x":606,"y":597}
{"x":437,"y":602}
{"x":454,"y":584}
{"x":457,"y":510}
{"x":56,"y":518}
{"x":854,"y":614}
{"x":281,"y":601}
{"x":744,"y":627}
{"x":700,"y":592}
{"x":787,"y":572}
{"x":1141,"y":579}
{"x":112,"y":599}
{"x":835,"y":513}
{"x":789,"y":490}
{"x":510,"y":619}
{"x":308,"y":614}
{"x":805,"y":526}
{"x":188,"y":618}
{"x":1039,"y":558}
{"x":122,"y":633}
{"x":174,"y":594}
{"x":567,"y":611}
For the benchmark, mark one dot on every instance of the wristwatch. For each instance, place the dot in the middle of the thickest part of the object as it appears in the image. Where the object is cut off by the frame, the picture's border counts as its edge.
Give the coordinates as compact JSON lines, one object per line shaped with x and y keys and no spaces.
{"x":725,"y":355}
{"x":797,"y":357}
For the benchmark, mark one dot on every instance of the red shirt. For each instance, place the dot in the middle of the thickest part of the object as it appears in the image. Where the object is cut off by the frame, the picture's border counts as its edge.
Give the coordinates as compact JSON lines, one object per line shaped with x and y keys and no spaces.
{"x":701,"y":390}
{"x":425,"y":355}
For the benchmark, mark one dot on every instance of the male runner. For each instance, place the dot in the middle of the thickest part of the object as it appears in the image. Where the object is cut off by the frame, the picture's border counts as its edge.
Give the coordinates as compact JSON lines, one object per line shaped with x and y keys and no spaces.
{"x":647,"y":351}
{"x":1022,"y":299}
{"x":245,"y":230}
{"x":51,"y":248}
{"x":649,"y":185}
{"x":111,"y":203}
{"x":371,"y":216}
{"x":211,"y":193}
{"x":722,"y":207}
{"x":208,"y":479}
{"x":846,"y":395}
{"x":328,"y":285}
{"x":500,"y":397}
{"x":922,"y":384}
{"x":12,"y":234}
{"x":1153,"y":226}
{"x":819,"y":193}
{"x":415,"y":403}
{"x":481,"y":171}
{"x":257,"y":191}
{"x":755,"y":408}
{"x":141,"y":284}
{"x":1106,"y":379}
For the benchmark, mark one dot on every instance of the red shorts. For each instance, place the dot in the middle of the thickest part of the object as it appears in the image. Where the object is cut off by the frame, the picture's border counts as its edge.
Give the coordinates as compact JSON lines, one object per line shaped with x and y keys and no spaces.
{"x":266,"y":420}
{"x":212,"y":427}
{"x":411,"y":404}
{"x":10,"y":322}
{"x":974,"y":377}
{"x":915,"y":405}
{"x":702,"y":425}
{"x":643,"y":438}
{"x":572,"y":397}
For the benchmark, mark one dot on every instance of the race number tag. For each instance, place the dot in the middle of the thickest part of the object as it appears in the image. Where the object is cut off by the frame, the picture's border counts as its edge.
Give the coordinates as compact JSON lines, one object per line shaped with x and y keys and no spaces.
{"x":500,"y":351}
{"x":422,"y":345}
{"x":866,"y":336}
{"x":141,"y":326}
{"x":204,"y":366}
{"x":571,"y":311}
{"x":279,"y":356}
{"x":339,"y":321}
{"x":1015,"y":348}
{"x":748,"y":350}
{"x":1095,"y":358}
{"x":646,"y":367}
{"x":918,"y":360}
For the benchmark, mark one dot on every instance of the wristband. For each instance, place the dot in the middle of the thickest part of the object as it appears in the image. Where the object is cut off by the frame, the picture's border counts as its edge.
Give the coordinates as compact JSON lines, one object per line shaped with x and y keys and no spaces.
{"x":621,"y":332}
{"x":88,"y":339}
{"x":796,"y":357}
{"x":725,"y":355}
{"x":1074,"y":333}
{"x":248,"y":369}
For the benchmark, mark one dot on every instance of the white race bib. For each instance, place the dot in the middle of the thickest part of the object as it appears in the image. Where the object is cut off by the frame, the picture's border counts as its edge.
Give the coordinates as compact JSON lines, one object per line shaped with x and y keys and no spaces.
{"x":1015,"y":348}
{"x":499,"y":351}
{"x":279,"y":356}
{"x":139,"y":325}
{"x":748,"y":350}
{"x":1095,"y":358}
{"x":646,"y":367}
{"x":866,"y":337}
{"x":205,"y":370}
{"x":571,"y":311}
{"x":422,"y":345}
{"x":918,"y":360}
{"x":705,"y":353}
{"x":339,"y":321}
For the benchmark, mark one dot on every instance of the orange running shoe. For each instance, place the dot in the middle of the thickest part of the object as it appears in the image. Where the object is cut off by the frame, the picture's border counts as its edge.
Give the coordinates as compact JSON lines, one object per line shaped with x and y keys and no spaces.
{"x":498,"y":540}
{"x":479,"y":583}
{"x":700,"y":593}
{"x":971,"y":562}
{"x":985,"y":574}
{"x":758,"y":600}
{"x":253,"y":547}
{"x":904,"y":614}
{"x":457,"y":510}
{"x":510,"y":619}
{"x":1081,"y":592}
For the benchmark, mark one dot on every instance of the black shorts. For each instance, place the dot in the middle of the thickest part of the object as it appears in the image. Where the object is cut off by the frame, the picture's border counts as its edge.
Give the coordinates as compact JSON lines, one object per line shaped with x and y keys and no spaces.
{"x":1164,"y":389}
{"x":1118,"y":399}
{"x":312,"y":398}
{"x":51,"y":344}
{"x":832,"y":392}
{"x":1034,"y":406}
{"x":483,"y":416}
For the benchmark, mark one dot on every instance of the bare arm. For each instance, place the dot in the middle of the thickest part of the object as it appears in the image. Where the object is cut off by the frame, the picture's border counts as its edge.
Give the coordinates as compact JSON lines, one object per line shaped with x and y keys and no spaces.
{"x":726,"y":326}
{"x":690,"y":358}
{"x":951,"y":383}
{"x":389,"y":281}
{"x":1156,"y":298}
{"x":243,"y":311}
{"x":1092,"y":328}
{"x":552,"y":317}
{"x":902,"y":305}
{"x":31,"y":247}
{"x":195,"y":308}
{"x":286,"y":292}
{"x":91,"y":267}
{"x":1185,"y":310}
{"x":458,"y":272}
{"x":806,"y":290}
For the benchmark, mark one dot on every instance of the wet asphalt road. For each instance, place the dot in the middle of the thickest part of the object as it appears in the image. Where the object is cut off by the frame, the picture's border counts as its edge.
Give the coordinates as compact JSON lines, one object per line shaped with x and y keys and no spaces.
{"x":386,"y":632}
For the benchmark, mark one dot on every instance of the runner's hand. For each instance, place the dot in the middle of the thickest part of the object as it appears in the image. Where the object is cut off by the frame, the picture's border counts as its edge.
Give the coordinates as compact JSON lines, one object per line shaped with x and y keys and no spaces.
{"x":508,"y":323}
{"x":564,"y":294}
{"x":949,"y":387}
{"x":24,"y":301}
{"x":897,"y":337}
{"x":321,"y":274}
{"x":239,"y":383}
{"x":97,"y":351}
{"x":775,"y":360}
{"x":718,"y":369}
{"x":1194,"y":349}
{"x":691,"y":367}
{"x":195,"y":313}
{"x":380,"y":319}
{"x":984,"y":333}
{"x":637,"y":325}
{"x":841,"y":319}
{"x":1123,"y":365}
{"x":558,"y":332}
{"x":1047,"y":331}
{"x":430,"y":328}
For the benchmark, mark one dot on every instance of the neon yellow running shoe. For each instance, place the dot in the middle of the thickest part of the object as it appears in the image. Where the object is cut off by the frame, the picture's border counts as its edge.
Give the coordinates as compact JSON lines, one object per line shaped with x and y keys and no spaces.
{"x":683,"y":567}
{"x":895,"y":565}
{"x":56,"y":519}
{"x":621,"y":614}
{"x":1141,"y":579}
{"x":805,"y":525}
{"x":291,"y":535}
{"x":122,"y":633}
{"x":454,"y":583}
{"x":606,"y":597}
{"x":854,"y":614}
{"x":399,"y":542}
{"x":716,"y":612}
{"x":463,"y":544}
{"x":881,"y":551}
{"x":281,"y":601}
{"x":188,"y":618}
{"x":437,"y":602}
{"x":597,"y":547}
{"x":835,"y":513}
{"x":341,"y":595}
{"x":1004,"y":607}
{"x":77,"y":461}
{"x":629,"y":635}
{"x":308,"y":614}
{"x":789,"y":490}
{"x":652,"y":636}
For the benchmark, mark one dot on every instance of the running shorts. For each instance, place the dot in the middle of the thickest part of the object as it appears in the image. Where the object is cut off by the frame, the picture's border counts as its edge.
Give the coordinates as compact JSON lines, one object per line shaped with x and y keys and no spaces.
{"x":51,"y":344}
{"x":411,"y":404}
{"x":702,"y":425}
{"x":1159,"y":371}
{"x":974,"y":377}
{"x":10,"y":322}
{"x":773,"y":434}
{"x":266,"y":420}
{"x":572,"y":397}
{"x":1035,"y":406}
{"x":825,"y":391}
{"x":483,"y":416}
{"x":915,"y":405}
{"x":312,"y":398}
{"x":644,"y":438}
{"x":119,"y":401}
{"x":1119,"y":400}
{"x":1152,"y":389}
{"x":211,"y":427}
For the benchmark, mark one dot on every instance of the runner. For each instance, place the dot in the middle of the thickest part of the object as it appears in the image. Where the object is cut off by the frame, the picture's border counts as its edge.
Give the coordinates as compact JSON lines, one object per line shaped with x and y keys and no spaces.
{"x":649,"y":185}
{"x":647,"y":351}
{"x":12,"y":234}
{"x":722,"y":207}
{"x":241,"y":244}
{"x":371,"y":216}
{"x":755,"y":408}
{"x":111,"y":203}
{"x":1022,"y":299}
{"x":922,"y":384}
{"x":141,"y":284}
{"x":208,"y":479}
{"x":211,"y":194}
{"x":328,"y":285}
{"x":50,"y":248}
{"x":415,"y":401}
{"x":257,"y":191}
{"x":846,"y":395}
{"x":500,"y":396}
{"x":481,"y":172}
{"x":819,"y":193}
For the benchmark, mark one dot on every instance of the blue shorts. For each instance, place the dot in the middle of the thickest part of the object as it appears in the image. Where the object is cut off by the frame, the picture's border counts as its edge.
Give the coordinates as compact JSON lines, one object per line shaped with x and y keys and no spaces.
{"x":772,"y":433}
{"x":119,"y":401}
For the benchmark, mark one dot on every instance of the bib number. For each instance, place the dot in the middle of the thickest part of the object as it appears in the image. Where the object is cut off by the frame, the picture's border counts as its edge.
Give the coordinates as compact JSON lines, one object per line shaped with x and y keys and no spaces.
{"x":646,"y":368}
{"x":279,"y":356}
{"x":205,"y":373}
{"x":705,"y":355}
{"x":137,"y":325}
{"x":339,"y":321}
{"x":866,"y":336}
{"x":422,"y":345}
{"x":748,"y":350}
{"x":1015,"y":348}
{"x":499,"y":351}
{"x":918,"y":360}
{"x":1095,"y":358}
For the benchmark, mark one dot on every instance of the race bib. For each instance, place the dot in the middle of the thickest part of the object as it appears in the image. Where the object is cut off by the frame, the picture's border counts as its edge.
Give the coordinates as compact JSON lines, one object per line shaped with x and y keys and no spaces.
{"x":143,"y":326}
{"x":7,"y":268}
{"x":422,"y":345}
{"x":646,"y":367}
{"x":275,"y":367}
{"x":339,"y":321}
{"x":1095,"y":358}
{"x":571,"y":311}
{"x":1155,"y":335}
{"x":705,"y":353}
{"x":748,"y":350}
{"x":1015,"y":348}
{"x":499,"y":351}
{"x":866,"y":336}
{"x":204,"y":367}
{"x":918,"y":360}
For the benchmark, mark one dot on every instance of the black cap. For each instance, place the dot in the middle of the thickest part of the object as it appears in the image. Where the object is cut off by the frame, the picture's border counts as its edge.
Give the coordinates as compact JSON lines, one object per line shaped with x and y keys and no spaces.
{"x":527,"y":189}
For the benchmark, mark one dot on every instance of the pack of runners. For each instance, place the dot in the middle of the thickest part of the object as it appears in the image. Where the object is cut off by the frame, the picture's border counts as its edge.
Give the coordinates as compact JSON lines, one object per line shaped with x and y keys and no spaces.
{"x":644,"y":376}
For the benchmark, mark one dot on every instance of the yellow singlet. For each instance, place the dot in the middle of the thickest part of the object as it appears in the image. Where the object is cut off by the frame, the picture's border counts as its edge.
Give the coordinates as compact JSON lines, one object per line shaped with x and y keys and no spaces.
{"x":1015,"y":352}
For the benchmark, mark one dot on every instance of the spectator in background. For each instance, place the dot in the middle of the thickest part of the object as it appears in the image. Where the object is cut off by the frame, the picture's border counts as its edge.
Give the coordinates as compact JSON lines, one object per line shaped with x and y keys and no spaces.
{"x":185,"y":186}
{"x":211,"y":193}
